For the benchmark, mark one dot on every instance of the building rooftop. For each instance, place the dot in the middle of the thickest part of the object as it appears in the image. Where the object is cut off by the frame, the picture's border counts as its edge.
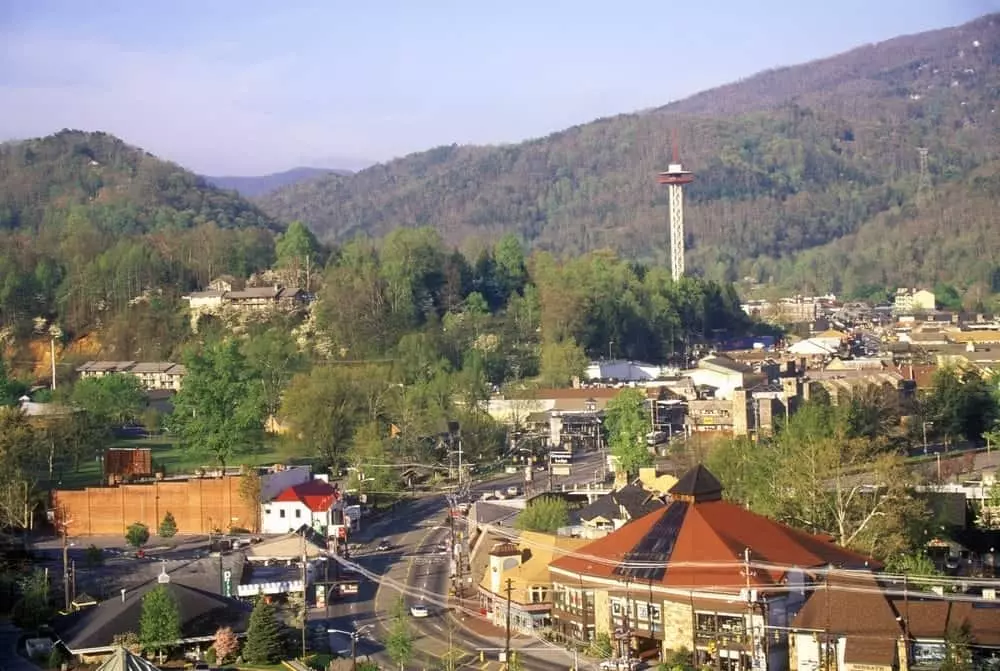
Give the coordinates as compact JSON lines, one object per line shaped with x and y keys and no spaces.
{"x":699,"y":541}
{"x":317,"y":495}
{"x":197,"y":593}
{"x":123,"y":660}
{"x":538,"y":551}
{"x":633,"y":498}
{"x":853,"y":606}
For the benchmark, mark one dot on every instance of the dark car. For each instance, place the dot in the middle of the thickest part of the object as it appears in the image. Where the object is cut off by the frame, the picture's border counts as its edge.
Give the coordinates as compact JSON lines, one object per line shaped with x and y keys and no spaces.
{"x":383,"y":545}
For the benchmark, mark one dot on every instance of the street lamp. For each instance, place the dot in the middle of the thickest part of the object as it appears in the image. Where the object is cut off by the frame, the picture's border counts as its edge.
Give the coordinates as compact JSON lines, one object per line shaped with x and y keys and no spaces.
{"x":354,"y":636}
{"x":925,"y":425}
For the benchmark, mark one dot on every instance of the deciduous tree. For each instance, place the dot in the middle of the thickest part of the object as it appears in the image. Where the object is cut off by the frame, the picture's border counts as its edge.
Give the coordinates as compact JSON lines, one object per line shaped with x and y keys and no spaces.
{"x":117,"y":398}
{"x":546,"y":514}
{"x":225,"y":643}
{"x":627,"y":422}
{"x":813,"y":476}
{"x":399,"y":641}
{"x":220,"y":409}
{"x":160,"y":621}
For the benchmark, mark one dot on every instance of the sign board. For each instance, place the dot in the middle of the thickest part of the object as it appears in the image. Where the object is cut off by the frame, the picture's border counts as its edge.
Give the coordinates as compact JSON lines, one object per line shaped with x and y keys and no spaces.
{"x":227,"y":583}
{"x":348,"y":588}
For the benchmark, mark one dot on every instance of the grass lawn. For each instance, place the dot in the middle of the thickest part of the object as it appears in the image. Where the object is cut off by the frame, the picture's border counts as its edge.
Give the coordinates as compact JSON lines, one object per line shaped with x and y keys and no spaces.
{"x":174,"y":460}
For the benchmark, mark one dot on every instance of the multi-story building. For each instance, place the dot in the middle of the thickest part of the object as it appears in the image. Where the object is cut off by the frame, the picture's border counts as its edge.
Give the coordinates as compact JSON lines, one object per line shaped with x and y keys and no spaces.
{"x":909,"y":300}
{"x":852,"y":621}
{"x":524,"y":568}
{"x":154,"y":375}
{"x":694,"y":574}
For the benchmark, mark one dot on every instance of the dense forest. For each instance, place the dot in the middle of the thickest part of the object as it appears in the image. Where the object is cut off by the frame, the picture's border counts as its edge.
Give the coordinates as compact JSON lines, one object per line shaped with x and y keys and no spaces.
{"x":790,"y":160}
{"x":251,"y":187}
{"x":91,"y":228}
{"x":102,"y":240}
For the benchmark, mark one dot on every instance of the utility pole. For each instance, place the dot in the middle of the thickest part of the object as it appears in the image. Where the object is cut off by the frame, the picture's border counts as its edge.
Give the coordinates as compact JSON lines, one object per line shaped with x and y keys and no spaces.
{"x":52,"y":355}
{"x":354,"y":650}
{"x":63,"y":523}
{"x":750,"y":625}
{"x":506,"y":654}
{"x":460,"y":458}
{"x":305,"y":608}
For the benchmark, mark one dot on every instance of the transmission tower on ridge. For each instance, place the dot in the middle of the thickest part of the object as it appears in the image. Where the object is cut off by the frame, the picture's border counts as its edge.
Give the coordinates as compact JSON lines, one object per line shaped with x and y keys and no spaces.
{"x":675,"y":178}
{"x":924,"y":185}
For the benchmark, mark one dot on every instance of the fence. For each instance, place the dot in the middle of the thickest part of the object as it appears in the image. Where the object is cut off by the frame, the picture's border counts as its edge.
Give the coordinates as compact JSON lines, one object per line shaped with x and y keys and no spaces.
{"x":199,"y":505}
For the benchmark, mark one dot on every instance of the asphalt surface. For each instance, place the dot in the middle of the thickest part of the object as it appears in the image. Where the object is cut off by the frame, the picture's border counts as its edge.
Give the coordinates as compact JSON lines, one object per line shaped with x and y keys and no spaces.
{"x":414,"y":530}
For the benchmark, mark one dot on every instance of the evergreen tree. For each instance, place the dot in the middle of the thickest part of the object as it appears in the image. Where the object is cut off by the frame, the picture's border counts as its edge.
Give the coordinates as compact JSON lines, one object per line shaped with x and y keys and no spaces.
{"x":263,"y":641}
{"x":160,"y":621}
{"x":168,"y":527}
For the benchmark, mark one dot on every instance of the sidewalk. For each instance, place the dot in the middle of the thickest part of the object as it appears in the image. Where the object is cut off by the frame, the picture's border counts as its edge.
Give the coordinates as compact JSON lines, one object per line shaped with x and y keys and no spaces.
{"x":479,"y":625}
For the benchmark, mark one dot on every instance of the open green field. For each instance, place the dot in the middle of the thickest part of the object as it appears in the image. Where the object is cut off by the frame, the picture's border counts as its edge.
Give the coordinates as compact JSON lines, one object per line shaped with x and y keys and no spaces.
{"x":174,"y":461}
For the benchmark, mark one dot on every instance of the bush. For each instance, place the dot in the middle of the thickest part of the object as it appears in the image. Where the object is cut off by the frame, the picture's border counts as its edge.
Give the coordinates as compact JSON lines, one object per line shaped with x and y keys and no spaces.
{"x":94,"y":556}
{"x":137,"y":535}
{"x":210,"y":656}
{"x":168,"y":527}
{"x":56,"y":657}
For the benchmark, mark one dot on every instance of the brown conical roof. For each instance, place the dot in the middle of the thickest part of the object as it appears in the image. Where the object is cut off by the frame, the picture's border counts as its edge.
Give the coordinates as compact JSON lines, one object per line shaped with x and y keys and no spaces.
{"x":697,"y":486}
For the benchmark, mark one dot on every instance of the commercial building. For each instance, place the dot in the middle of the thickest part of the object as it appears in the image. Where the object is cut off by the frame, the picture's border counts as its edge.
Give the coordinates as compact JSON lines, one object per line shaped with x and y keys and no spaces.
{"x":689,"y":575}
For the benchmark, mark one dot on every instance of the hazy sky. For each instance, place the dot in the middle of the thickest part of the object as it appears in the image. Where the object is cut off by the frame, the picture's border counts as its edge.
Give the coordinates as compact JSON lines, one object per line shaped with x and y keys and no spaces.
{"x":255,"y":86}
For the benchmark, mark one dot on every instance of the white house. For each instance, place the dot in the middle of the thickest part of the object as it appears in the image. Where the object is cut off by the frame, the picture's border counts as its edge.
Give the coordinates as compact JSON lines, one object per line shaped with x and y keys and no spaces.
{"x":315,"y":502}
{"x":723,"y":374}
{"x":813,"y":347}
{"x":626,"y":371}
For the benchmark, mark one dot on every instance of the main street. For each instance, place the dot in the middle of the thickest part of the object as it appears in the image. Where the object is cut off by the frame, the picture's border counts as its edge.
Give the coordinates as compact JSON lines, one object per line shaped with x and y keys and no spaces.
{"x":415,"y":561}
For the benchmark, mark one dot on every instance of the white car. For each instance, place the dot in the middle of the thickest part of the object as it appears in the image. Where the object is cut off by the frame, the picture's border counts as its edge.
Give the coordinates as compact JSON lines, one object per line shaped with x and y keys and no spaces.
{"x":419,"y":610}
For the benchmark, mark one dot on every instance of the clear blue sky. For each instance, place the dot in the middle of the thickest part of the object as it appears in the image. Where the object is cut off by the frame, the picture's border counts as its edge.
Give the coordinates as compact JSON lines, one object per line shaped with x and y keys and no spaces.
{"x":256,"y":86}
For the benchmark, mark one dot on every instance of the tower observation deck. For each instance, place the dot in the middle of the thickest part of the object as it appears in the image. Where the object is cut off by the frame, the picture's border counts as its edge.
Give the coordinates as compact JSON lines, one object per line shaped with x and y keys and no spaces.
{"x":675,"y":178}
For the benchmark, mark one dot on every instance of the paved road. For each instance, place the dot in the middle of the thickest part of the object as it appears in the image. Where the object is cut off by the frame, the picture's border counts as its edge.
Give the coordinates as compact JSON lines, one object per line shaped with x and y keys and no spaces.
{"x":417,"y":562}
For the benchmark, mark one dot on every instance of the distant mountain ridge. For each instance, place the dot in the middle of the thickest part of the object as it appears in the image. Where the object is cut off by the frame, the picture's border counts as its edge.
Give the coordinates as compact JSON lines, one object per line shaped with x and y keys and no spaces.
{"x":786,"y":162}
{"x":253,"y":187}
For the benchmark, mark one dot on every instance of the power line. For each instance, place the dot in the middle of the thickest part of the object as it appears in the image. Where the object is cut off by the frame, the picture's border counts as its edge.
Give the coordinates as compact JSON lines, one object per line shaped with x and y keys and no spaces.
{"x":738,"y":564}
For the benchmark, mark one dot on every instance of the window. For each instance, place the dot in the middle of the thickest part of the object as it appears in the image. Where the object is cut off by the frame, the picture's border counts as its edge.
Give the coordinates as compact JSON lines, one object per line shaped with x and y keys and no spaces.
{"x":616,"y":607}
{"x":641,"y":610}
{"x":298,"y":513}
{"x":654,"y":613}
{"x":281,"y":513}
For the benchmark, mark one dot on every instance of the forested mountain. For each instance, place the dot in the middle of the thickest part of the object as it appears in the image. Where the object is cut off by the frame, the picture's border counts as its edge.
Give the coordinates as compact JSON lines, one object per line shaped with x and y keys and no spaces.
{"x":787,"y":162}
{"x":96,"y":233}
{"x":251,"y":187}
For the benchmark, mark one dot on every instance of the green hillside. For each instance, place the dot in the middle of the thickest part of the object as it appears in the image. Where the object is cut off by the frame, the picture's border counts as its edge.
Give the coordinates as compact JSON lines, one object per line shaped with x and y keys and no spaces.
{"x":98,"y":234}
{"x":786,"y":161}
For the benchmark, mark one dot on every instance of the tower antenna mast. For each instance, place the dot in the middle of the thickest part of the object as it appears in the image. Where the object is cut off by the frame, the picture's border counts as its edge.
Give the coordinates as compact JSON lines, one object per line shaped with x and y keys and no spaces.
{"x":675,"y":178}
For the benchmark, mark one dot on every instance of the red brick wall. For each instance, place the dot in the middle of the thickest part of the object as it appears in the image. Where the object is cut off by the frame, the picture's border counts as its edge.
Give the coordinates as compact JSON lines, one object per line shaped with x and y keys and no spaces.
{"x":198,"y":505}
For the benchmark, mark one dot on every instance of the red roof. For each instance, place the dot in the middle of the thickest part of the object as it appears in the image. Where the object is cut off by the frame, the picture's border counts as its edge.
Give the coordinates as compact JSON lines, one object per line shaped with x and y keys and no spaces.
{"x":317,"y":495}
{"x":692,"y":529}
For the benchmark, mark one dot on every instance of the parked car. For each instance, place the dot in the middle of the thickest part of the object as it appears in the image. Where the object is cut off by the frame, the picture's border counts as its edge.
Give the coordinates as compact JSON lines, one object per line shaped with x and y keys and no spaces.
{"x":442,"y":547}
{"x":383,"y":545}
{"x":620,"y":665}
{"x":419,"y":610}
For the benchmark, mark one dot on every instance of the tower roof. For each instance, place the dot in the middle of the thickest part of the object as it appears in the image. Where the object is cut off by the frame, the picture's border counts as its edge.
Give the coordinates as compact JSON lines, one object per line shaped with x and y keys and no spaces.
{"x":124,"y":660}
{"x":697,"y":486}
